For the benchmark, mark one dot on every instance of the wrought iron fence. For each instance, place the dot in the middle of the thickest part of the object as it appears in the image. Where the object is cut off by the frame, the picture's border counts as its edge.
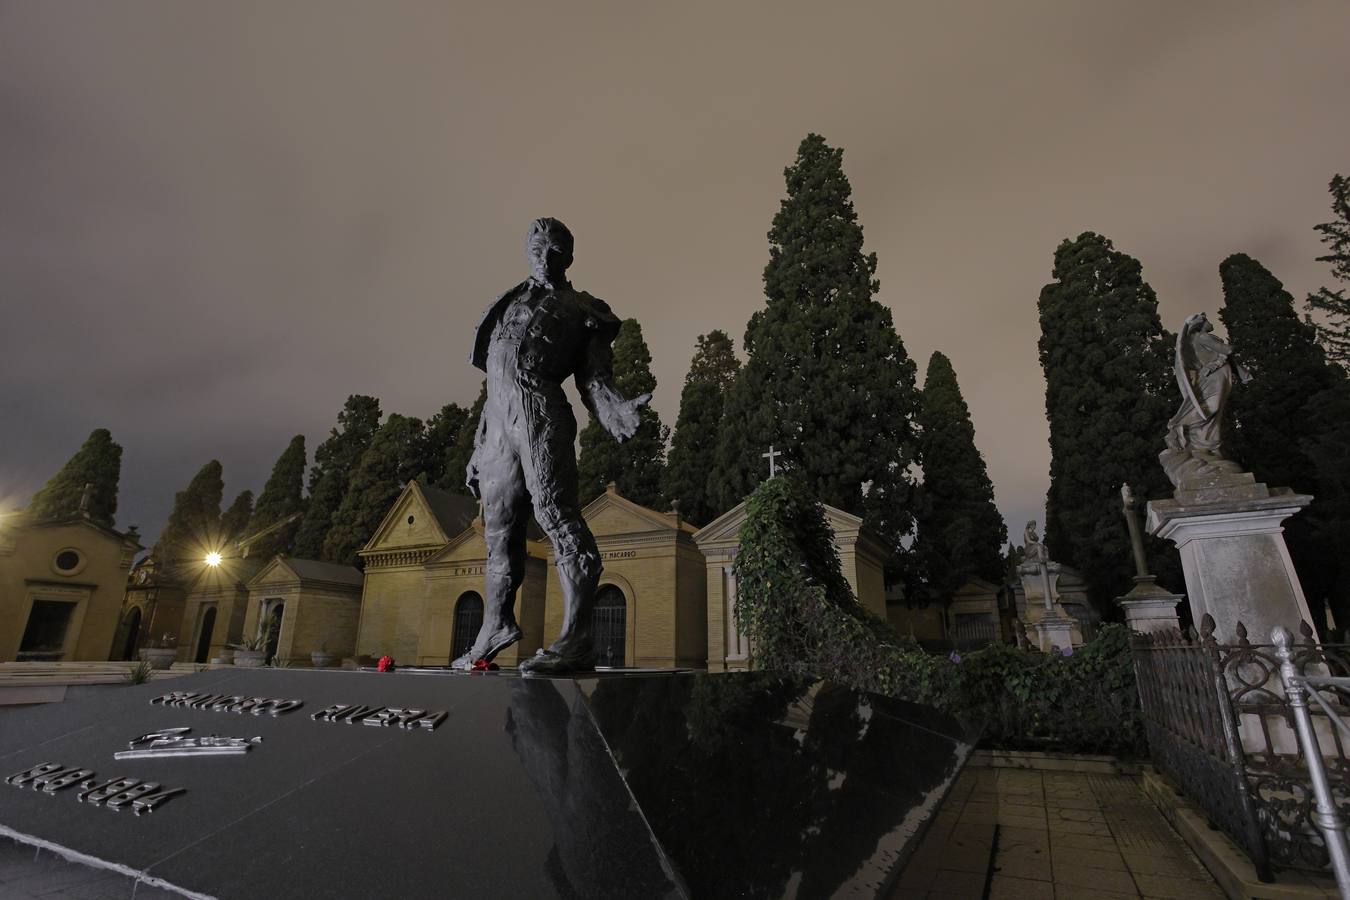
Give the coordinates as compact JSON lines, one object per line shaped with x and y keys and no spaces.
{"x":1220,"y":727}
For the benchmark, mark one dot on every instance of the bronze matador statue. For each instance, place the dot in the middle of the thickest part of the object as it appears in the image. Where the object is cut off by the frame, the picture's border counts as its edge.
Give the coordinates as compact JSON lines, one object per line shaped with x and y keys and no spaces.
{"x":531,"y":338}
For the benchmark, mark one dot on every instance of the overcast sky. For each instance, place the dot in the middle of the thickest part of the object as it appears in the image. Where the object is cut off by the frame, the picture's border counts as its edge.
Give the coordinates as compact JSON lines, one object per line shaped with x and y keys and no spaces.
{"x":218,"y":220}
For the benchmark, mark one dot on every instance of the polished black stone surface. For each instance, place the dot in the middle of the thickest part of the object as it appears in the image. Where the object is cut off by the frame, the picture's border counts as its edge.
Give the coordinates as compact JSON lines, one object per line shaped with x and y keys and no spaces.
{"x":634,"y":786}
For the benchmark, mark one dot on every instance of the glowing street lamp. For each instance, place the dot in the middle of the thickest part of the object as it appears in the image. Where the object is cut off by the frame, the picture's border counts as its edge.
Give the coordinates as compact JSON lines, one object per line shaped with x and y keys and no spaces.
{"x":213,"y":559}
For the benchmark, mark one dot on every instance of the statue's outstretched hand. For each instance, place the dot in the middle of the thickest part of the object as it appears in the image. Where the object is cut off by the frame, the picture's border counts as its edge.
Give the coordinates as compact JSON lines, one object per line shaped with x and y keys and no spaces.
{"x":624,"y":418}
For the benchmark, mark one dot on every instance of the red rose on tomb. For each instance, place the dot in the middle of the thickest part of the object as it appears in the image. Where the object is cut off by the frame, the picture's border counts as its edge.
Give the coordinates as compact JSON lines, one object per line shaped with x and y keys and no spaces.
{"x":386,"y":664}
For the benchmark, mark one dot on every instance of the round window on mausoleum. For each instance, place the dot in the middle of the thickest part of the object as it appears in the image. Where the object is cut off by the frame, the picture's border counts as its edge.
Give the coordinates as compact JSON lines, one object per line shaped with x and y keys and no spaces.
{"x":68,"y":561}
{"x":411,"y":519}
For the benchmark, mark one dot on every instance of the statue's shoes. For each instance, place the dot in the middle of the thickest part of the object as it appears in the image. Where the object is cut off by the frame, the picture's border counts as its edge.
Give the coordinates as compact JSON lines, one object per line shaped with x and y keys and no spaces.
{"x":499,"y":641}
{"x":550,"y":662}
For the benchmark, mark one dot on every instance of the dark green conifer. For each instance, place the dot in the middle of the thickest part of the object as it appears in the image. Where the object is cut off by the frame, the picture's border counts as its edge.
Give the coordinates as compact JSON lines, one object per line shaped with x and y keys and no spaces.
{"x":637,"y":464}
{"x":281,"y":498}
{"x":98,"y":462}
{"x":693,"y":450}
{"x":334,"y":461}
{"x":1280,"y":428}
{"x":827,"y":380}
{"x":960,"y":531}
{"x":458,"y":454}
{"x":1109,"y":392}
{"x":234,"y":521}
{"x":385,"y":467}
{"x":193,"y":529}
{"x":1334,"y":334}
{"x":440,"y":441}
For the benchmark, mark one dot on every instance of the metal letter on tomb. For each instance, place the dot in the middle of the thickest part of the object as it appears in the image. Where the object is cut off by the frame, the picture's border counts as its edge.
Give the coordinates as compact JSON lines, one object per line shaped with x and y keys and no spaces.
{"x":172,"y":742}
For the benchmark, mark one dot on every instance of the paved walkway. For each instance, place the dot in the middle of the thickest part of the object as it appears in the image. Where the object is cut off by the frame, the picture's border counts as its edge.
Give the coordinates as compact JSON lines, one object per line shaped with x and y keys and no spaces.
{"x":1056,"y":836}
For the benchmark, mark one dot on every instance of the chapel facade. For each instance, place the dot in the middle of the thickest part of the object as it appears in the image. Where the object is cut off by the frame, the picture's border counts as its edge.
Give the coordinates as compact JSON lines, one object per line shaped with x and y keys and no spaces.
{"x":61,"y":586}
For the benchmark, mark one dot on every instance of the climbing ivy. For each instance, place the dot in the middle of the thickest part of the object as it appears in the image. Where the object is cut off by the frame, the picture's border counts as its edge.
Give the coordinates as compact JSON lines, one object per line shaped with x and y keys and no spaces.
{"x":804,"y":621}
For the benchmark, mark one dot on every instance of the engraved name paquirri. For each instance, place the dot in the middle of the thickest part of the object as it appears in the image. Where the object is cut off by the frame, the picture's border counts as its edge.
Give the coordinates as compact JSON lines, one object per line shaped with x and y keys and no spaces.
{"x":116,"y":793}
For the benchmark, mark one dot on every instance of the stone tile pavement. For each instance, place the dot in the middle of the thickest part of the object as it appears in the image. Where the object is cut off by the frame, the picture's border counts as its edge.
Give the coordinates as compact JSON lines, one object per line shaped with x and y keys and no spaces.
{"x":1053,"y":835}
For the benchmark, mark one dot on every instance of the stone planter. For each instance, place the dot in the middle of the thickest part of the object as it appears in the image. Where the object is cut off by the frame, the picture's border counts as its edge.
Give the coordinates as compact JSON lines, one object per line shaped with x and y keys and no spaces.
{"x":159,"y":657}
{"x":250,"y":659}
{"x":322,"y":659}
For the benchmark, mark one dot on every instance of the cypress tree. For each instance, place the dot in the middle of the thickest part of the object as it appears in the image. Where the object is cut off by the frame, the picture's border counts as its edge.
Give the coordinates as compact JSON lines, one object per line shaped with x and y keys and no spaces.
{"x":1109,"y":392}
{"x":193,"y":529}
{"x":1335,"y":334}
{"x":378,"y":478}
{"x":98,"y":462}
{"x":234,"y":520}
{"x":693,"y":450}
{"x":458,"y":454}
{"x":281,"y":497}
{"x":827,"y":379}
{"x":439,"y":442}
{"x":636,"y":465}
{"x":334,"y":461}
{"x":1279,"y":419}
{"x":960,"y":531}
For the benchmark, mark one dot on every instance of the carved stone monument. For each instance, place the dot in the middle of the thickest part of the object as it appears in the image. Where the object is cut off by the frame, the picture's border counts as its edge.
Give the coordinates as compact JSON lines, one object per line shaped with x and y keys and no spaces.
{"x":1225,"y":524}
{"x":1054,"y":626}
{"x":1147,"y":606}
{"x":532,"y":338}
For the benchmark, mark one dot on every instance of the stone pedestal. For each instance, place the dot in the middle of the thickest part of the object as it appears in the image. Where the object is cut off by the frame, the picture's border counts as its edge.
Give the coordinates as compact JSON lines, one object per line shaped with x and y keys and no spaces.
{"x":1149,"y":608}
{"x":1053,"y":624}
{"x":1054,"y":630}
{"x":1229,"y":533}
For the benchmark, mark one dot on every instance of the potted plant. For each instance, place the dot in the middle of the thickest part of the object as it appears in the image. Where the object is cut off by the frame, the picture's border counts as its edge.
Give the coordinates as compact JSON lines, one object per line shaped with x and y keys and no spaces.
{"x":250,"y":653}
{"x":321,"y":658}
{"x":161,"y":653}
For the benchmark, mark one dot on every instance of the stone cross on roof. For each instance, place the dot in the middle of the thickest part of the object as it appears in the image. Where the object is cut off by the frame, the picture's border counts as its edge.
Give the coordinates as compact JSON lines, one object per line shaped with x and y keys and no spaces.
{"x":772,"y":457}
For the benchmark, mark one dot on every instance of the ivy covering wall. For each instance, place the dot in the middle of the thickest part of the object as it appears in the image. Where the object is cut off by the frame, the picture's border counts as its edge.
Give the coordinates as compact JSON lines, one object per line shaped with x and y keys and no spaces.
{"x":803,"y":621}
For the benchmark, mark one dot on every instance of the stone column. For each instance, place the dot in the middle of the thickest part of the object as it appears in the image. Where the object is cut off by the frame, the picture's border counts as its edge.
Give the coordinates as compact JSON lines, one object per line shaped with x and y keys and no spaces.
{"x":1231,"y":541}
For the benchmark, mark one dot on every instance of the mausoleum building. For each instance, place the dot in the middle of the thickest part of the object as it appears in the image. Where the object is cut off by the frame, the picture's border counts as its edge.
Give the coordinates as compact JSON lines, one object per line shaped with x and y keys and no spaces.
{"x":61,"y":587}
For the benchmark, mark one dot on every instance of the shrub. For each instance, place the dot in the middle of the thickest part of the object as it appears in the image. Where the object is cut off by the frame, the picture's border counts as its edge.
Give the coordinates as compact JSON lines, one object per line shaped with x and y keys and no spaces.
{"x":804,"y":621}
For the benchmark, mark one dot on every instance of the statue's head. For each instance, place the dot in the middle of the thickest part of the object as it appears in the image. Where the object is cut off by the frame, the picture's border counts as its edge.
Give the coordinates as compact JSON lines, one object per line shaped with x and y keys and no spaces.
{"x":1198,"y":322}
{"x":548,"y":246}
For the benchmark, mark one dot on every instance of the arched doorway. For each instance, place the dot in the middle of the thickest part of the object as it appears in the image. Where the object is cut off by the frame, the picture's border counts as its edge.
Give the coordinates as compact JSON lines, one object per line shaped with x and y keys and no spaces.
{"x":468,"y":620}
{"x":204,"y":640}
{"x":609,"y":626}
{"x":131,"y":626}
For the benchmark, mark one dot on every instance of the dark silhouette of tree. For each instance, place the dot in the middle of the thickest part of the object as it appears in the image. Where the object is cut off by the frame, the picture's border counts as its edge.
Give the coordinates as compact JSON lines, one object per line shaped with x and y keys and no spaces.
{"x":1280,"y":428}
{"x":385,"y":467}
{"x":637,"y":464}
{"x":1109,"y":392}
{"x":98,"y":463}
{"x":281,"y":497}
{"x":960,"y":530}
{"x":693,"y":451}
{"x":1335,"y":334}
{"x":827,"y":379}
{"x":334,"y":461}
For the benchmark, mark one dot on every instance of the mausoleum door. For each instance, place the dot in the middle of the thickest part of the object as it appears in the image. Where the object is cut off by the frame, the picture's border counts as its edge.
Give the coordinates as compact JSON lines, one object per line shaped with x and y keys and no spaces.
{"x":609,"y":626}
{"x":274,"y":629}
{"x":131,"y":633}
{"x":204,"y":638}
{"x":468,"y":620}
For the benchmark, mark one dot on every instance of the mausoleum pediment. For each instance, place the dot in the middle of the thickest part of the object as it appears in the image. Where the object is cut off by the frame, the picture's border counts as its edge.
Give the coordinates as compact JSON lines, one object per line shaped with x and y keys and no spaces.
{"x":612,"y":514}
{"x":422,"y":516}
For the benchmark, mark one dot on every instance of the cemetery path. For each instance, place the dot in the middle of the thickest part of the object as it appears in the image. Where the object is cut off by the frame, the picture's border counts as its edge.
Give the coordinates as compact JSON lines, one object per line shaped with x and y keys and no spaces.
{"x":1019,"y":834}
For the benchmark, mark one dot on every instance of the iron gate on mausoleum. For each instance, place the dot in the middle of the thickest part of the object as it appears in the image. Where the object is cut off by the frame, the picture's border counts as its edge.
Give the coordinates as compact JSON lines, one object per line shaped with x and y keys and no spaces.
{"x":1220,"y":728}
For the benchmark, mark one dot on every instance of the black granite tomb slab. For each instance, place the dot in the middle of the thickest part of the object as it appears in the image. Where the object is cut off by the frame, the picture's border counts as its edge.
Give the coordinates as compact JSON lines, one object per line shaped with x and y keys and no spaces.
{"x":634,"y":786}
